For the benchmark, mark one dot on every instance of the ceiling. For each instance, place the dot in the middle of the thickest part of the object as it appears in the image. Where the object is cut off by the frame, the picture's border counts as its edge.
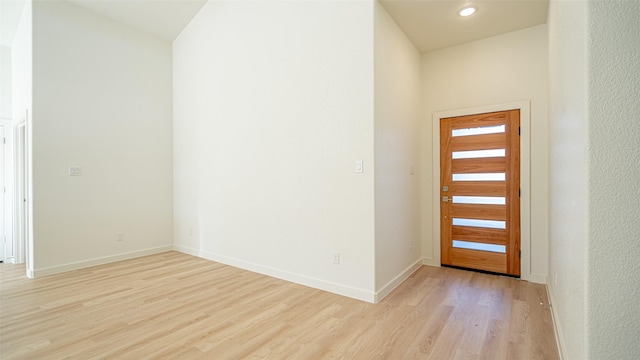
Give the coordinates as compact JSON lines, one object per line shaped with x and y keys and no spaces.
{"x":162,"y":18}
{"x":430,"y":24}
{"x":435,"y":24}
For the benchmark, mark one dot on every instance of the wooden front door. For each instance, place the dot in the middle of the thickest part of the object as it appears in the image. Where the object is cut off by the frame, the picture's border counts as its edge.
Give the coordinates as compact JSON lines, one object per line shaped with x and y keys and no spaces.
{"x":479,"y":192}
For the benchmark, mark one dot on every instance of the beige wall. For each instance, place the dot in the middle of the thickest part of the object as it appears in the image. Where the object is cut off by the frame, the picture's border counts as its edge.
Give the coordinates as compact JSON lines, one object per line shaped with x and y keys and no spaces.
{"x":102,"y":101}
{"x":397,"y":124}
{"x":498,"y":70}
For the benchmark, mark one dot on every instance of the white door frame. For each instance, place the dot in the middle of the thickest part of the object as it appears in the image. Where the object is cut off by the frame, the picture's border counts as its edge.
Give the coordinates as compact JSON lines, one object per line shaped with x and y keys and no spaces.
{"x":21,"y":217}
{"x":525,"y":178}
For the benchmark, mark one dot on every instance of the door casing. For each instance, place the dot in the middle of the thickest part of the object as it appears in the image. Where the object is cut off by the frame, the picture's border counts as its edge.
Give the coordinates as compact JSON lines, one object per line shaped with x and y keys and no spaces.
{"x":525,"y":180}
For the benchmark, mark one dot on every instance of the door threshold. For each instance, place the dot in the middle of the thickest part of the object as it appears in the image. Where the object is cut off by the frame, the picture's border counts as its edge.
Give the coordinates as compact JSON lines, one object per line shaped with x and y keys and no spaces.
{"x":481,"y":271}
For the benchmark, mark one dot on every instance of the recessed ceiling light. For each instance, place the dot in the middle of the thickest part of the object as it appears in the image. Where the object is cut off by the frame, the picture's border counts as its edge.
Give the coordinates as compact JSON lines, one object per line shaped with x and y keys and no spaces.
{"x":467,"y":11}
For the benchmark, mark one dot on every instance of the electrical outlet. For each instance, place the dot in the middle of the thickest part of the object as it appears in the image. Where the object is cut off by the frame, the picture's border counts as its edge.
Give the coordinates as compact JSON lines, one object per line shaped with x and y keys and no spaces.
{"x":410,"y":244}
{"x":120,"y":236}
{"x":75,"y":171}
{"x":336,"y":258}
{"x":555,"y":278}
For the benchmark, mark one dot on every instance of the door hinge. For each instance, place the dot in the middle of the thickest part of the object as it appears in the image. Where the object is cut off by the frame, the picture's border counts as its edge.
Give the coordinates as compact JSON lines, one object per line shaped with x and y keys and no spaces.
{"x":520,"y":254}
{"x":519,"y":192}
{"x":518,"y":130}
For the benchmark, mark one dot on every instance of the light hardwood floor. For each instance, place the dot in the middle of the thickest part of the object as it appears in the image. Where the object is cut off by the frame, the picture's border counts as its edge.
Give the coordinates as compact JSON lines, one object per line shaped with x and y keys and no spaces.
{"x":176,"y":306}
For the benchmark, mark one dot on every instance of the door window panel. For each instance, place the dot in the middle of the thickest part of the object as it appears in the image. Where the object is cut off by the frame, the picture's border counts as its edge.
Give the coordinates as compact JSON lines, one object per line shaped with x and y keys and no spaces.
{"x":480,"y":200}
{"x":479,"y":177}
{"x":479,"y":246}
{"x":492,"y":224}
{"x":474,"y":154}
{"x":478,"y":131}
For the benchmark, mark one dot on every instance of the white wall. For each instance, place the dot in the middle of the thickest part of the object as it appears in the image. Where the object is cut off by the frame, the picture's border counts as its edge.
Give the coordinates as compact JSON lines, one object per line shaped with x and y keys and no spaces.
{"x":21,"y":54}
{"x":21,"y":105}
{"x":273,"y":104}
{"x":5,"y":83}
{"x":397,"y":125}
{"x":497,"y":70}
{"x":101,"y":100}
{"x":6,"y":218}
{"x":568,"y":172}
{"x":613,"y":270}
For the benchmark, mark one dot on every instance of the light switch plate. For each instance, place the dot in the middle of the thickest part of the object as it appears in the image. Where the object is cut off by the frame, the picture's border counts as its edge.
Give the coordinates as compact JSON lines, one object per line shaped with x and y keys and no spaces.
{"x":359,"y":166}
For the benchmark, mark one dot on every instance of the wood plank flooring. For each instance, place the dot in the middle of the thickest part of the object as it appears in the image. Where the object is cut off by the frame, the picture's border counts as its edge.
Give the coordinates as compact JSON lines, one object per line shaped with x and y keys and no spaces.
{"x":176,"y":306}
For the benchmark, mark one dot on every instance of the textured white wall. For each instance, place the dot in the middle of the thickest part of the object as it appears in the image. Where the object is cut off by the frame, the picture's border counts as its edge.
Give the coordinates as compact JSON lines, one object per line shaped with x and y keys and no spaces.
{"x":102,"y":101}
{"x":501,"y":69}
{"x":397,"y":127}
{"x":613,"y":289}
{"x":568,"y":174}
{"x":595,"y":144}
{"x":273,"y":104}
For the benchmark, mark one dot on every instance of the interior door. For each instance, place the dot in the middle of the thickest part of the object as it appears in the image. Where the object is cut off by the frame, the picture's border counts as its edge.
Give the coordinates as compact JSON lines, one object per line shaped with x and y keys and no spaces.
{"x":480,"y":192}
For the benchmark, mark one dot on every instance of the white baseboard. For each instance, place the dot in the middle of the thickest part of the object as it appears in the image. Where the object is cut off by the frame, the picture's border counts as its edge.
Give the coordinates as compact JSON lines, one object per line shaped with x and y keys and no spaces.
{"x":348,"y":291}
{"x":556,"y":325}
{"x":97,"y":261}
{"x":187,"y":250}
{"x":431,"y":262}
{"x":388,"y":288}
{"x":535,"y":278}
